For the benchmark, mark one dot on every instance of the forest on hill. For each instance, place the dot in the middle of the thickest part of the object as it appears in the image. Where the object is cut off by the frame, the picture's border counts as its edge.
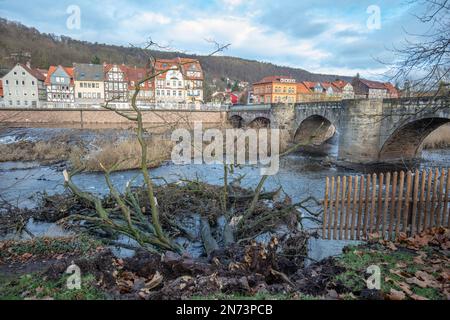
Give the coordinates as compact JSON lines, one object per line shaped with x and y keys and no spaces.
{"x":50,"y":49}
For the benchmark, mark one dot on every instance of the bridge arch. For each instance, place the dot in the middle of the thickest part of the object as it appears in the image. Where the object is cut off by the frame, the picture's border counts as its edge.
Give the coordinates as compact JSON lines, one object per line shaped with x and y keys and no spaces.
{"x":316,"y":128}
{"x":406,"y":141}
{"x":260,"y":122}
{"x":236,"y":121}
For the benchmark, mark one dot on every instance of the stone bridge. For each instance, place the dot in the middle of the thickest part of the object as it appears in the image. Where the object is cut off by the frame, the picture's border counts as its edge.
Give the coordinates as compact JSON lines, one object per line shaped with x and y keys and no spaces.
{"x":388,"y":130}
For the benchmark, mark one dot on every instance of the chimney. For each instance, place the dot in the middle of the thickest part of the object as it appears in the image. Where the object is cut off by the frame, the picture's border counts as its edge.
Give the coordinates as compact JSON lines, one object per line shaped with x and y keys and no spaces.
{"x":28,"y":64}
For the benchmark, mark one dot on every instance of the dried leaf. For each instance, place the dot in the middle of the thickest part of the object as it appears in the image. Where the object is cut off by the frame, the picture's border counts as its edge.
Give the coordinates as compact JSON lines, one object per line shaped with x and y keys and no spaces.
{"x":154,"y":282}
{"x":417,"y":282}
{"x":391,"y":246}
{"x":417,"y":297}
{"x":396,"y":295}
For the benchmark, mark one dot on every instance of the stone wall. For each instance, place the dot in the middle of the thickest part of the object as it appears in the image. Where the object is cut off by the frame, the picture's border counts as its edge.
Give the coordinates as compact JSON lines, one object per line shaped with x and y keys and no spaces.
{"x":98,"y":118}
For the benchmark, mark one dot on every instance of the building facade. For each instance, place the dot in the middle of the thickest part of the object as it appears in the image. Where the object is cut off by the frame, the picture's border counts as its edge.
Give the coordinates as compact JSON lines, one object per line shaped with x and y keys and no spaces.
{"x":180,"y":81}
{"x":116,"y":83}
{"x":368,"y":89}
{"x":89,"y":84}
{"x":23,"y":86}
{"x":275,"y":89}
{"x":146,"y":91}
{"x":346,"y":89}
{"x":60,"y":85}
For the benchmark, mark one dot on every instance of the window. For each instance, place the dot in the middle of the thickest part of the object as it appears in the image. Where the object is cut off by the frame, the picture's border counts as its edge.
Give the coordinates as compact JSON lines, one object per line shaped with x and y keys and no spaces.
{"x":168,"y":92}
{"x":32,"y":82}
{"x":26,"y":102}
{"x":15,"y":73}
{"x":97,"y":85}
{"x":7,"y":81}
{"x":18,"y":102}
{"x":79,"y":95}
{"x":17,"y":82}
{"x":23,"y":73}
{"x":23,"y":83}
{"x":174,"y":92}
{"x":10,"y":102}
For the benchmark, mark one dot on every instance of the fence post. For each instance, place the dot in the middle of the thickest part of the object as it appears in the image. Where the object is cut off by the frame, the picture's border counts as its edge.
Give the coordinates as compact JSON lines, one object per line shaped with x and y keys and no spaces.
{"x":372,"y":207}
{"x":336,"y":206}
{"x":331,"y":207}
{"x":441,"y":190}
{"x":366,"y":206}
{"x":325,"y":207}
{"x":422,"y":206}
{"x":341,"y":217}
{"x":380,"y":202}
{"x":407,"y":196}
{"x":428,"y":199}
{"x":355,"y":202}
{"x":415,"y":198}
{"x":446,"y":210}
{"x":347,"y":211}
{"x":434,"y":199}
{"x":391,"y":215}
{"x":361,"y":195}
{"x":386,"y":202}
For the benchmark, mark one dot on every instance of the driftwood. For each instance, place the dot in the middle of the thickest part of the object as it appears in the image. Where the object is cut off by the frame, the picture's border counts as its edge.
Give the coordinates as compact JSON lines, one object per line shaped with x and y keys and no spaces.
{"x":209,"y":242}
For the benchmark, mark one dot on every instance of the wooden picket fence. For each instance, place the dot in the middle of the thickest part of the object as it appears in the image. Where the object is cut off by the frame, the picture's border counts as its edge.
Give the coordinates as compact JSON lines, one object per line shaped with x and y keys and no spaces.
{"x":356,"y":206}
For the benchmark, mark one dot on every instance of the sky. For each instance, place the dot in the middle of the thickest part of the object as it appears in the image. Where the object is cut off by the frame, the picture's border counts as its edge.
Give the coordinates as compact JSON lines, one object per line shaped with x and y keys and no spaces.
{"x":323,"y":36}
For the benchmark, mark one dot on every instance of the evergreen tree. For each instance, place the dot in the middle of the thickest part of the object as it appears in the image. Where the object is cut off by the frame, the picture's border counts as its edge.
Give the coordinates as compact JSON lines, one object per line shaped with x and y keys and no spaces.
{"x":95,"y":60}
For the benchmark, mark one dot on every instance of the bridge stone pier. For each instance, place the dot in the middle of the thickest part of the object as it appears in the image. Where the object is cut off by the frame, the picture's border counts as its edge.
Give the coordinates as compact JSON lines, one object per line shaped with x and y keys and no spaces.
{"x":389,"y":130}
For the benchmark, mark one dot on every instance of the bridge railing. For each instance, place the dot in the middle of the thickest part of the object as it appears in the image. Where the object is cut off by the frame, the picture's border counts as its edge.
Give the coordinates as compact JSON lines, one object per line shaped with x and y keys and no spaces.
{"x":251,"y":107}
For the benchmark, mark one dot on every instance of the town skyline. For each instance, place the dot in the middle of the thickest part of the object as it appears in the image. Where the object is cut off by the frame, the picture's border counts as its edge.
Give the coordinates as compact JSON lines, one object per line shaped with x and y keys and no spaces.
{"x":319,"y":42}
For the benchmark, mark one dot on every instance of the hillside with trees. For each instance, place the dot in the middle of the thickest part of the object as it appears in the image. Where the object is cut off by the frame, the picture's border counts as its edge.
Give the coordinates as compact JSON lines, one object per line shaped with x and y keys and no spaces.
{"x":50,"y":49}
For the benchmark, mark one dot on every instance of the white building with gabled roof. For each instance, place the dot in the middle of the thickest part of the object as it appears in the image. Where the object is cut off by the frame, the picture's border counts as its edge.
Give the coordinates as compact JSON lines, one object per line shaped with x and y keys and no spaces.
{"x":23,"y":87}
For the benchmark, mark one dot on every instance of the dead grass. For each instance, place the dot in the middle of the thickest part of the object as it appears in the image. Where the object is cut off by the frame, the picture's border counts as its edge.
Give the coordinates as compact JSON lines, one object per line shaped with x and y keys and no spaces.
{"x":44,"y":151}
{"x":440,"y":138}
{"x":127,"y":153}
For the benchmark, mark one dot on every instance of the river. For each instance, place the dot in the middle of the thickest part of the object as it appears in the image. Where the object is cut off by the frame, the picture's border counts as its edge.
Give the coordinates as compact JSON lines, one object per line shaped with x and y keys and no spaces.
{"x":301,"y":175}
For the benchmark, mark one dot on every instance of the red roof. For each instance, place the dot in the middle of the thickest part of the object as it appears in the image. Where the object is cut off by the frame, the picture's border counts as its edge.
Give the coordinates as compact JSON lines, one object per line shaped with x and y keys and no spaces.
{"x":391,"y":89}
{"x":185,"y":64}
{"x":136,"y":74}
{"x":328,"y":84}
{"x":302,"y":88}
{"x":122,"y":67}
{"x":310,"y":84}
{"x":1,"y":88}
{"x":340,"y":84}
{"x":34,"y":72}
{"x":52,"y":69}
{"x":373,"y":84}
{"x":272,"y":79}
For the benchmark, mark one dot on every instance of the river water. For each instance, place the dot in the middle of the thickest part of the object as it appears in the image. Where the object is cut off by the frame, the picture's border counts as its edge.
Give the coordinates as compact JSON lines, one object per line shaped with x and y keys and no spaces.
{"x":301,"y":175}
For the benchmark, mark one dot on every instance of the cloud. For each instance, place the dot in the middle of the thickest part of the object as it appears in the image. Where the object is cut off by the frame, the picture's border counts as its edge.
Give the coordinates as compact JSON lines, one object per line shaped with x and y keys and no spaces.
{"x":231,"y":4}
{"x":318,"y":35}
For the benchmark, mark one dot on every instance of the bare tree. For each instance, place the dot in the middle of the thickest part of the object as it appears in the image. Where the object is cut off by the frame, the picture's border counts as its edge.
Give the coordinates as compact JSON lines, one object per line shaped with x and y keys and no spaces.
{"x":132,"y":221}
{"x":424,"y":59}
